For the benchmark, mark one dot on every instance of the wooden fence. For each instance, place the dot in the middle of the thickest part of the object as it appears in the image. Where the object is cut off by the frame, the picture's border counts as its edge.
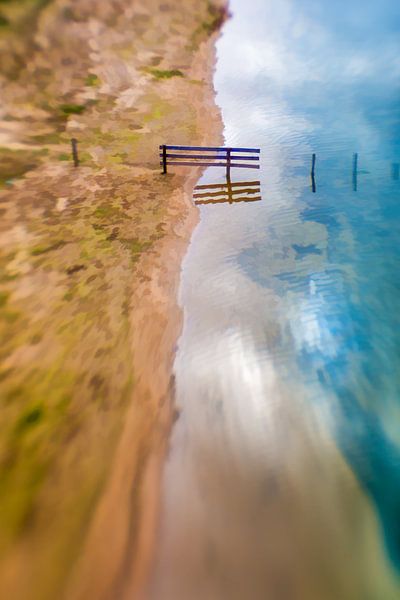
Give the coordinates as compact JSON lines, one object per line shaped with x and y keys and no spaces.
{"x":215,"y":193}
{"x":199,"y":156}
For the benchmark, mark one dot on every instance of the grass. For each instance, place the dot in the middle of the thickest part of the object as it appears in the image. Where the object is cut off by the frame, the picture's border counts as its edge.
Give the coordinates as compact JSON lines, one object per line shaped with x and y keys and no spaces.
{"x":106,"y":211}
{"x":38,"y":250}
{"x":216,"y":17}
{"x":49,"y":138}
{"x":28,"y":439}
{"x":43,"y":410}
{"x":164,"y":73}
{"x":70,"y":380}
{"x":3,"y":298}
{"x":72,"y":109}
{"x":92,"y":80}
{"x":14,"y":163}
{"x":29,"y":419}
{"x":20,"y":14}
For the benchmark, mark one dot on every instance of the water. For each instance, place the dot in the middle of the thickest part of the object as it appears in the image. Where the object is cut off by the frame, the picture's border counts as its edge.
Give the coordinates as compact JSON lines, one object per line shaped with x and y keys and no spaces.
{"x":283,"y":479}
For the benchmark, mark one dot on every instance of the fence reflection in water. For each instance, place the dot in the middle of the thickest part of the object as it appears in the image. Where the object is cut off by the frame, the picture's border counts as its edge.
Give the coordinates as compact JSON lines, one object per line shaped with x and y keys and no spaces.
{"x":216,"y":193}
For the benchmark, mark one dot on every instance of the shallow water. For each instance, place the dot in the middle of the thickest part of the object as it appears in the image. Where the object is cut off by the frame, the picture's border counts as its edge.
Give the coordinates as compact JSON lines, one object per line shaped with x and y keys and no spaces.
{"x":283,"y":478}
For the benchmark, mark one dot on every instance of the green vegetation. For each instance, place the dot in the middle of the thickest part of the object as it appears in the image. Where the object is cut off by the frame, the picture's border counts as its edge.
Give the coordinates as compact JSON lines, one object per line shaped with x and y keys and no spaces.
{"x":164,"y":73}
{"x":92,"y":80}
{"x":28,"y":419}
{"x":136,"y":247}
{"x":14,"y":163}
{"x":106,"y":211}
{"x":50,"y":138}
{"x":3,"y":298}
{"x":20,"y":13}
{"x":32,"y":417}
{"x":42,"y":411}
{"x":72,"y":109}
{"x":10,"y":316}
{"x":71,"y":264}
{"x":38,"y":250}
{"x":216,"y":17}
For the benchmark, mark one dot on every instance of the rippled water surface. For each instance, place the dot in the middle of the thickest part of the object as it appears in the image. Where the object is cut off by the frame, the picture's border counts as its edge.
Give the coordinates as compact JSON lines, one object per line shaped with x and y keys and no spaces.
{"x":283,"y":479}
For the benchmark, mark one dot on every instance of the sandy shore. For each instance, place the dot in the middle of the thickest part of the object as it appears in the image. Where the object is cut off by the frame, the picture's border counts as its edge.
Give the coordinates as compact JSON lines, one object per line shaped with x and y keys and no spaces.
{"x":90,"y":261}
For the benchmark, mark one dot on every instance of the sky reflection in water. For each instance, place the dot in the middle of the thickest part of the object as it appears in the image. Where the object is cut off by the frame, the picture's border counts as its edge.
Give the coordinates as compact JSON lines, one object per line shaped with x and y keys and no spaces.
{"x":286,"y":371}
{"x":323,"y":77}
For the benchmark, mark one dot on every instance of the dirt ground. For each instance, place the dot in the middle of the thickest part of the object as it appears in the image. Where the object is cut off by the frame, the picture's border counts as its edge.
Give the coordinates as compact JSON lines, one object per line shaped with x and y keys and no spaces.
{"x":89,"y":270}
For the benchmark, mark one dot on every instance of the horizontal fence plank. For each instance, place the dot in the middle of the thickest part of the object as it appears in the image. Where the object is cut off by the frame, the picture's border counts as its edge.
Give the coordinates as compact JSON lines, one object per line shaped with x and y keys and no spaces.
{"x":213,"y":164}
{"x":230,"y":201}
{"x":234,"y":184}
{"x":208,"y":157}
{"x":211,"y":149}
{"x":225,"y":192}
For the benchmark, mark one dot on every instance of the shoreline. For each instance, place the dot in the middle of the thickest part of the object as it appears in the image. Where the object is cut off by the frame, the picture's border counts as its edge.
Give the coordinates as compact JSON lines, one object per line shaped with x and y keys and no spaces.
{"x":128,"y":577}
{"x":114,"y":520}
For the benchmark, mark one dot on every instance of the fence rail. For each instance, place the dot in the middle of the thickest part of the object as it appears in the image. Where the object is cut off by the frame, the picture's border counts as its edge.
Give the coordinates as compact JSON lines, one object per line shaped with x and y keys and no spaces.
{"x":199,"y":156}
{"x":212,"y":148}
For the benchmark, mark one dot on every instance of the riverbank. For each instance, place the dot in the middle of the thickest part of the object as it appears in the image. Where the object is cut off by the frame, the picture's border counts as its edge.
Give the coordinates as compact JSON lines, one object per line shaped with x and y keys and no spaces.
{"x":90,"y":267}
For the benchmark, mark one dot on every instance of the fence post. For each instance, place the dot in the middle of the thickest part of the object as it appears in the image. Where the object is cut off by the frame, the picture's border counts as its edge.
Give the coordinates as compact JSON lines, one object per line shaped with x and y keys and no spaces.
{"x":74,"y":143}
{"x":164,"y":159}
{"x":313,"y":164}
{"x":313,"y":186}
{"x":355,"y":169}
{"x":228,"y":164}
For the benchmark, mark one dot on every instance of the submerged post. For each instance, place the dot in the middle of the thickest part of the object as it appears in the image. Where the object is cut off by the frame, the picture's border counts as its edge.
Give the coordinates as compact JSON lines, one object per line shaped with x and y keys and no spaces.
{"x":228,"y":164}
{"x":74,"y":143}
{"x":355,"y":166}
{"x":164,"y":159}
{"x":313,"y":186}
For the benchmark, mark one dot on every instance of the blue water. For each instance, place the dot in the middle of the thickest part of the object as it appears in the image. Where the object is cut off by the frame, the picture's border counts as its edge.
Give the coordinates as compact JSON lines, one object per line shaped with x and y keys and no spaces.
{"x":345,"y":94}
{"x":297,"y":292}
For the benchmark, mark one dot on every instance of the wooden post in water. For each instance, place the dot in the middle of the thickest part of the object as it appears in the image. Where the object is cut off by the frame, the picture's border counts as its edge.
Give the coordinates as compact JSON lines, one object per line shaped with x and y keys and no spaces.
{"x":164,"y":159}
{"x":355,"y":166}
{"x":74,"y":143}
{"x":313,"y":186}
{"x":228,"y":165}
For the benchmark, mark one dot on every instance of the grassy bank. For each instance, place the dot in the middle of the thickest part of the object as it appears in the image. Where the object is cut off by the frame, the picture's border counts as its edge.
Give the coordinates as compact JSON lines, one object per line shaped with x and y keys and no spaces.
{"x":79,"y":247}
